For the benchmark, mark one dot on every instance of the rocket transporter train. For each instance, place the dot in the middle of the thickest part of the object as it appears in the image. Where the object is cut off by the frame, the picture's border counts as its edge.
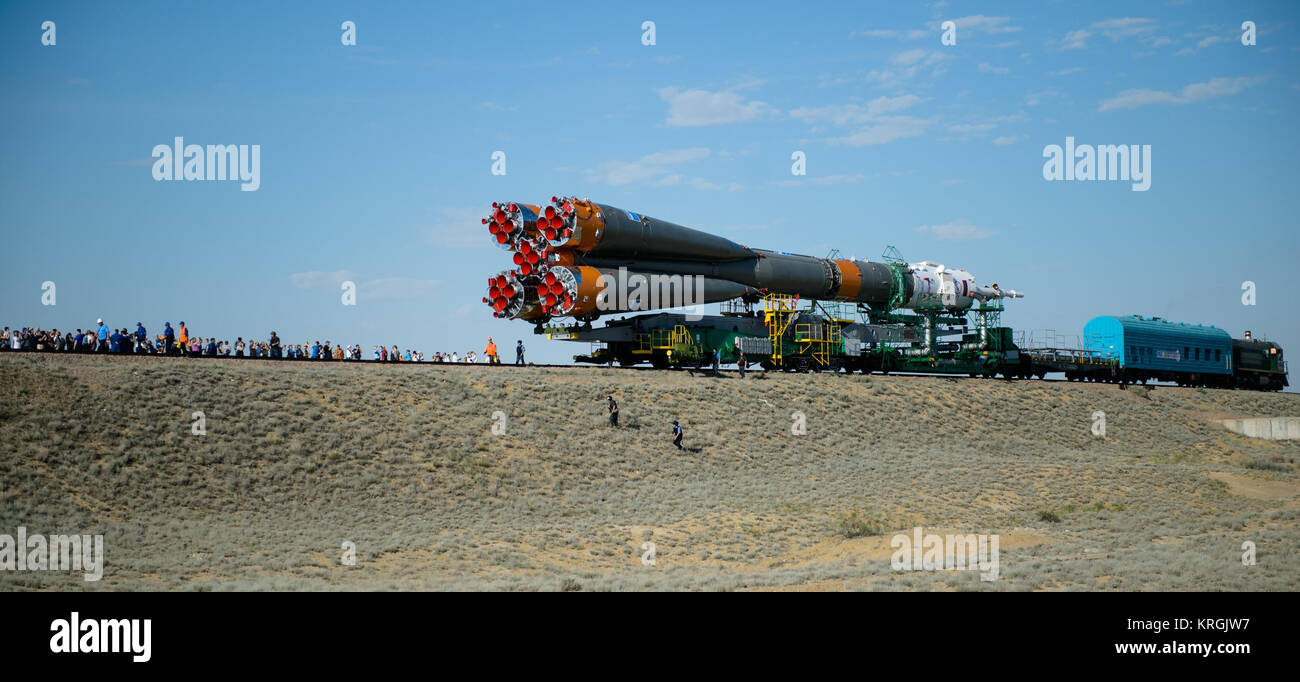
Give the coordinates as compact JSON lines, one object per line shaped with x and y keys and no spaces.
{"x":568,"y":255}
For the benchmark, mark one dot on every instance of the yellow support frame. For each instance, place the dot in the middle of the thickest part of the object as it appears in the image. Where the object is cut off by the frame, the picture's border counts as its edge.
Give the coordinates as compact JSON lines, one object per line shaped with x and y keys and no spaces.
{"x":817,"y":338}
{"x":778,"y":312}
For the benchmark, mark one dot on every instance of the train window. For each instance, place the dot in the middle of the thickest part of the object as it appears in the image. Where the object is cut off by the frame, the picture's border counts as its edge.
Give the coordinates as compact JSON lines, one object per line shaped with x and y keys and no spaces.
{"x":1197,"y":354}
{"x":1187,"y":355}
{"x":1207,"y":354}
{"x":1218,"y":355}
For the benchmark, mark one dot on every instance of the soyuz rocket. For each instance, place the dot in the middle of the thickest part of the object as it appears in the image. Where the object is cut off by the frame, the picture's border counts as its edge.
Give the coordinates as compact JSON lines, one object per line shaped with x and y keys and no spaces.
{"x":568,"y":253}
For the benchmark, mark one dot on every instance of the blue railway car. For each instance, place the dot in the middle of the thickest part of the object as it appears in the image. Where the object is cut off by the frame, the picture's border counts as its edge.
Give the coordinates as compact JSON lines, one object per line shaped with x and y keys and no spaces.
{"x":1153,"y":349}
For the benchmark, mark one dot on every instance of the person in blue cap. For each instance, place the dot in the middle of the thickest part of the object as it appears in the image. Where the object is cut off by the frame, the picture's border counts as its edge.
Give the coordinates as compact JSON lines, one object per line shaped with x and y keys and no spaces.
{"x":140,"y":337}
{"x":169,"y":338}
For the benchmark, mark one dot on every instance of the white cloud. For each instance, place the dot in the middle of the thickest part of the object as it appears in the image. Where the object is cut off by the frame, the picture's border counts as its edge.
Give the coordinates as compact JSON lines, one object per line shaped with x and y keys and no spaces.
{"x":1117,"y":29}
{"x":978,"y":23}
{"x":379,"y":289}
{"x":854,"y":113}
{"x":1033,"y":99}
{"x":907,"y":64}
{"x":877,"y":124}
{"x":970,"y":25}
{"x":1201,"y":45}
{"x":1075,"y":40}
{"x":960,"y":229}
{"x":658,"y":169}
{"x":1067,"y":72}
{"x":913,"y":56}
{"x":885,"y":129}
{"x":1008,"y":139}
{"x":822,"y":180}
{"x":705,"y":108}
{"x":910,"y":34}
{"x":985,"y":67}
{"x":971,"y":128}
{"x":1215,"y":87}
{"x":315,"y":278}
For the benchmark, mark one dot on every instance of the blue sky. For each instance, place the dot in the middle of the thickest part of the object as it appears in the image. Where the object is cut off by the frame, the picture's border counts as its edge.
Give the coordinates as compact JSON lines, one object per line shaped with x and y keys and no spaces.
{"x":376,"y":158}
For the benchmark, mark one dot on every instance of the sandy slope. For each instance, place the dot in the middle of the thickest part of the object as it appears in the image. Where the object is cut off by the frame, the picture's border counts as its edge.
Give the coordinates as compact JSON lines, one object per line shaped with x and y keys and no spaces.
{"x":299,"y":458}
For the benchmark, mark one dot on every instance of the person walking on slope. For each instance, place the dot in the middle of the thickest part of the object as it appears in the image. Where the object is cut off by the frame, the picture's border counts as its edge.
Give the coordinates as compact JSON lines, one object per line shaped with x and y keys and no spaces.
{"x":740,"y":362}
{"x":677,"y":434}
{"x":491,"y":352}
{"x":613,"y":411}
{"x":716,"y":357}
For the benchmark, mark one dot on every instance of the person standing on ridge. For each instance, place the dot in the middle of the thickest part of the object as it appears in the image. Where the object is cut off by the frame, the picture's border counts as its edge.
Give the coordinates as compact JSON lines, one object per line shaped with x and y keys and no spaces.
{"x":491,"y":352}
{"x":102,"y":333}
{"x":519,"y":352}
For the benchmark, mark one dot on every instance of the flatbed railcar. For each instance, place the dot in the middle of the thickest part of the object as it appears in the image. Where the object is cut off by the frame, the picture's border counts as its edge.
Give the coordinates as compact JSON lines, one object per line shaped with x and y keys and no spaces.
{"x":783,"y":336}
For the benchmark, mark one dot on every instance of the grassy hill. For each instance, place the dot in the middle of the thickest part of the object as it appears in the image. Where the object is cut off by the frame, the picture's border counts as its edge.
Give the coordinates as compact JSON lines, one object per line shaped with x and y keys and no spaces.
{"x":299,"y":458}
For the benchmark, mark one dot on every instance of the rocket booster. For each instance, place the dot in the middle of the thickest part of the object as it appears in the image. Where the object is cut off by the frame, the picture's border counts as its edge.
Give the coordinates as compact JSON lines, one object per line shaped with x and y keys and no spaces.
{"x":571,"y":252}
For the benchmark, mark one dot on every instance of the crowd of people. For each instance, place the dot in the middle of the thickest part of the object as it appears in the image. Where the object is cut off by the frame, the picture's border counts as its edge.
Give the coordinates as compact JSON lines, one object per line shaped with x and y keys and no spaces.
{"x":182,"y":342}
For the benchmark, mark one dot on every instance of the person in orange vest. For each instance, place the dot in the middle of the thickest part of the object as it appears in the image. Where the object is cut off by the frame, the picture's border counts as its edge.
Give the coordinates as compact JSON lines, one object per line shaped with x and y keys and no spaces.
{"x":491,"y":352}
{"x":183,"y":339}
